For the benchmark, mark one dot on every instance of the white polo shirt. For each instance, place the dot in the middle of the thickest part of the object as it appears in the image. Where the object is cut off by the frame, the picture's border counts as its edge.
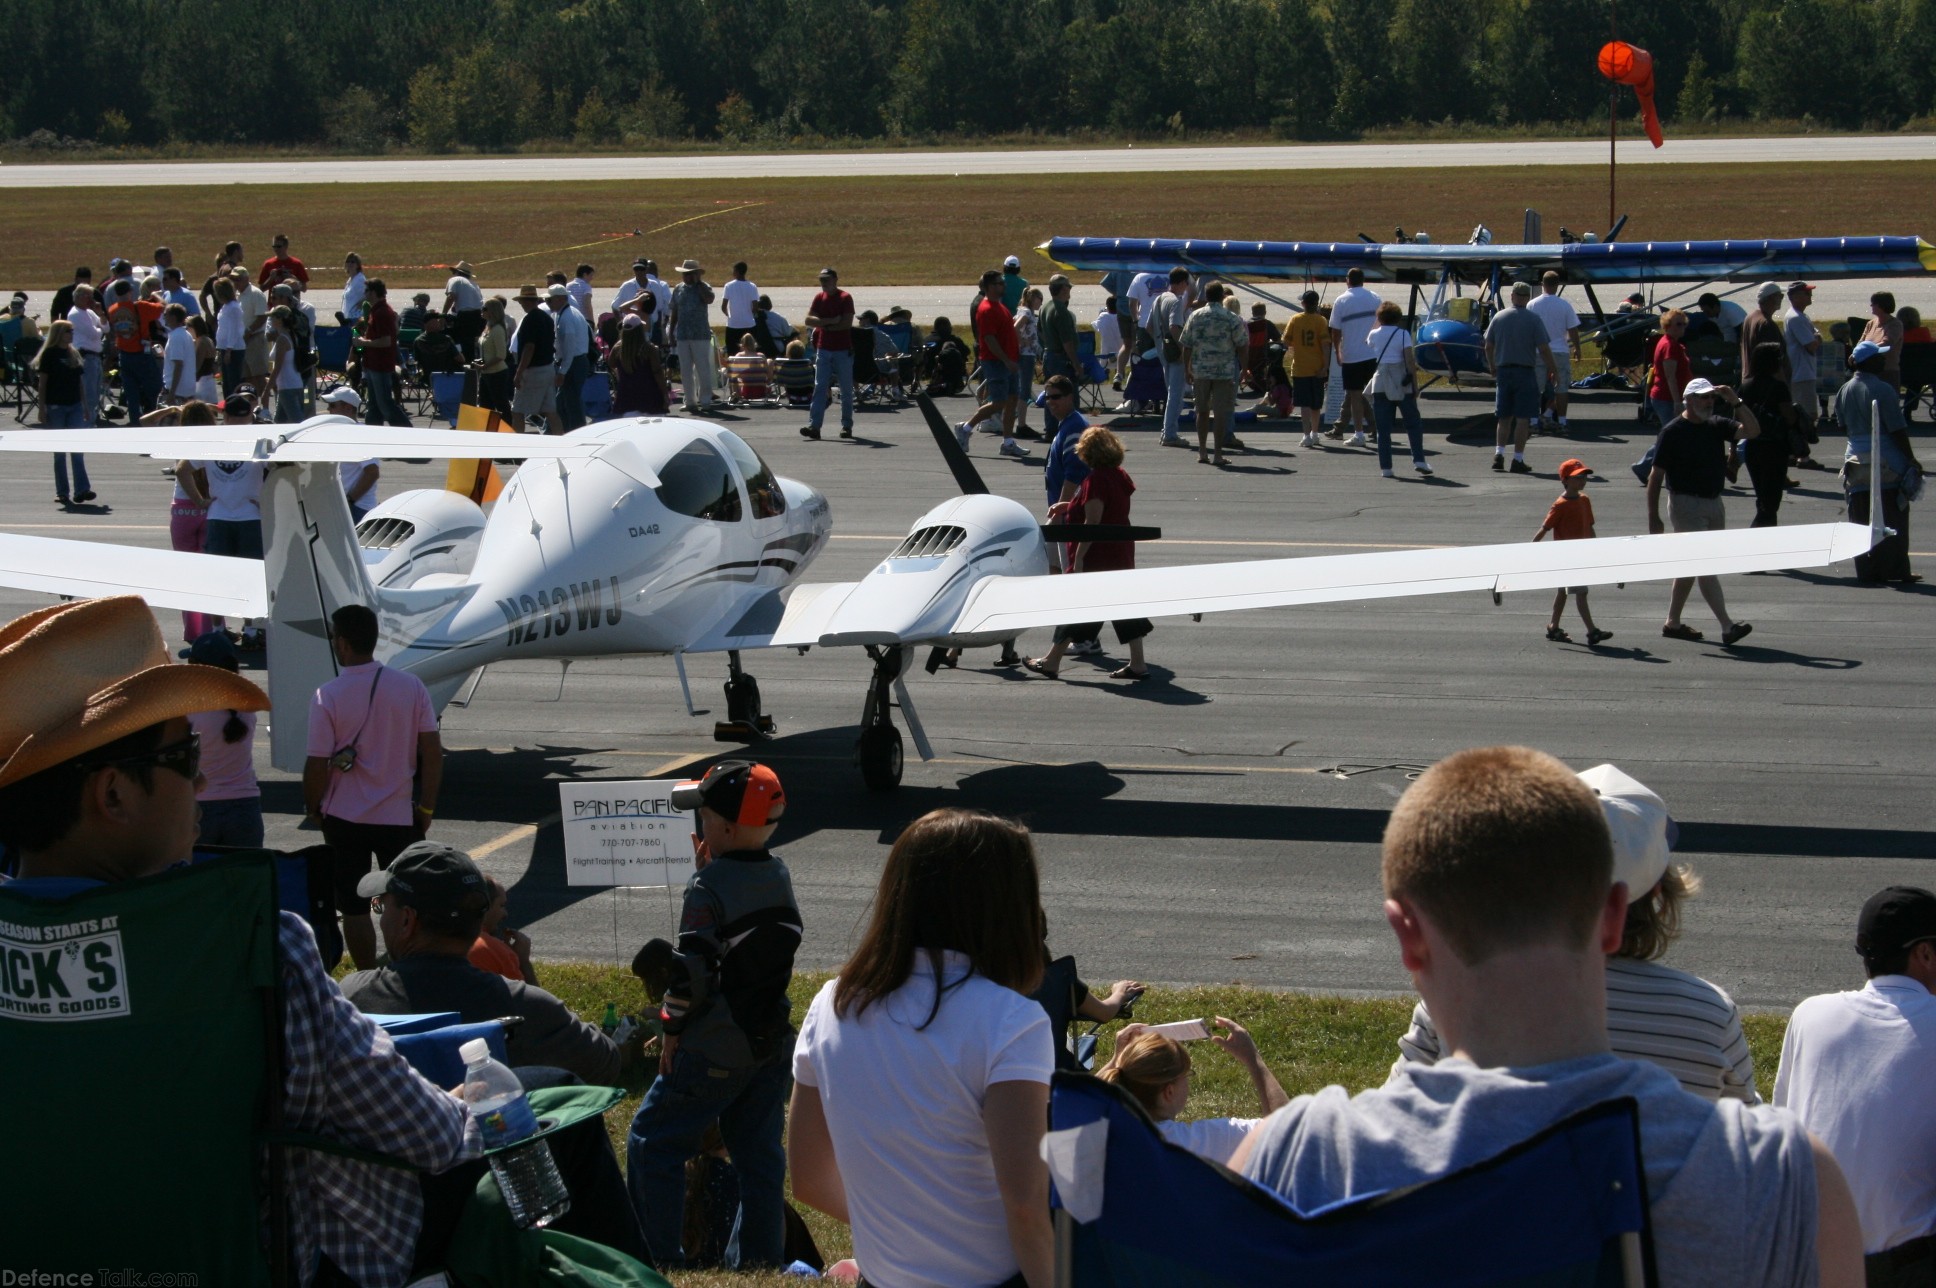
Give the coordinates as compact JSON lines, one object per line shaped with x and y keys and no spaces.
{"x":88,"y":331}
{"x":1859,"y":1070}
{"x":1353,"y":314}
{"x":1559,"y":315}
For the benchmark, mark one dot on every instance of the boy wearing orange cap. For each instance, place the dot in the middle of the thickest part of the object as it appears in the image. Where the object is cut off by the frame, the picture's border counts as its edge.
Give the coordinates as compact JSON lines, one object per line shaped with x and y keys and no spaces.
{"x":1571,"y":519}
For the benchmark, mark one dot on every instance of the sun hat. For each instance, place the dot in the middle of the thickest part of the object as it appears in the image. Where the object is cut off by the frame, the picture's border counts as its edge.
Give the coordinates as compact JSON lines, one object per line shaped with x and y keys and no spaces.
{"x":1643,"y":832}
{"x":691,"y":266}
{"x":529,"y":291}
{"x":78,"y":676}
{"x":463,"y":268}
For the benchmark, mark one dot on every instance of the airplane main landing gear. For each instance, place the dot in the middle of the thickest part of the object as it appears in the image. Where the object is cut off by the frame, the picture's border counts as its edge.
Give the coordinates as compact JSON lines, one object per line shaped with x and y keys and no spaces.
{"x":744,"y":721}
{"x":878,"y":753}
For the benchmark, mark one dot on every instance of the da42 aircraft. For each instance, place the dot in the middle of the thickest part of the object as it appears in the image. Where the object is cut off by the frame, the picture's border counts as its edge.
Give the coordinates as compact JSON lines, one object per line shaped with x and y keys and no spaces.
{"x":1451,"y":337}
{"x":671,"y":536}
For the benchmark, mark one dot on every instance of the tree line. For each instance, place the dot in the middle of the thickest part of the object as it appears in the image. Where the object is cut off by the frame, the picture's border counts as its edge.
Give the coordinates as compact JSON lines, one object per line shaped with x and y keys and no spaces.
{"x":437,"y":75}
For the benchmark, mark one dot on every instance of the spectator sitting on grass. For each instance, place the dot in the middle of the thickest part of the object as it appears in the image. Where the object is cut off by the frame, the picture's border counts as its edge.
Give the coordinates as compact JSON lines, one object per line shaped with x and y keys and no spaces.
{"x":1739,"y":1194}
{"x":430,"y":905}
{"x":1155,"y":1069}
{"x":502,"y":949}
{"x":1656,"y":1013}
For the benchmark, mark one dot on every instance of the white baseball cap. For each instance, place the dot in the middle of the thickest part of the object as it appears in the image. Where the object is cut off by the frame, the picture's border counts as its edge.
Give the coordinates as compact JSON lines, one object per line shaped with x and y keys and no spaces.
{"x":1643,"y":832}
{"x":344,"y":396}
{"x":1698,"y":385}
{"x":1011,"y":262}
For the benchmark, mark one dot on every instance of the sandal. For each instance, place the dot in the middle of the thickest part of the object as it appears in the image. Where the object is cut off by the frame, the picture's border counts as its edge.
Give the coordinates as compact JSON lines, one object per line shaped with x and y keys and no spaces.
{"x":1598,"y":637}
{"x":1558,"y":636}
{"x":1125,"y":673}
{"x":1736,"y":633}
{"x":1681,"y":631}
{"x":1035,"y":665}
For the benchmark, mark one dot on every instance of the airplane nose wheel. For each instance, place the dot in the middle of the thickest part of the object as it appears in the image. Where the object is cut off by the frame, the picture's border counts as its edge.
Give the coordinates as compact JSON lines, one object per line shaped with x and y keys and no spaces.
{"x":878,"y":753}
{"x":744,"y":721}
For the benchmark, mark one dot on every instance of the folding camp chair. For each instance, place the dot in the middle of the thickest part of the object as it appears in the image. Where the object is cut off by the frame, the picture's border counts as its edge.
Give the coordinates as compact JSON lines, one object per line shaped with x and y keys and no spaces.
{"x":749,"y":381}
{"x":596,"y":397}
{"x":1145,"y":384}
{"x":333,"y":348}
{"x":1568,"y":1207}
{"x":19,"y":382}
{"x":795,"y":378}
{"x":447,"y":394}
{"x":1093,"y":387}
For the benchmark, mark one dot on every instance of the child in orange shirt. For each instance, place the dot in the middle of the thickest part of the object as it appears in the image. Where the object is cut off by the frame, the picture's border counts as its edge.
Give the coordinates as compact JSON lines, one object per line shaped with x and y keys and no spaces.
{"x":1571,"y":519}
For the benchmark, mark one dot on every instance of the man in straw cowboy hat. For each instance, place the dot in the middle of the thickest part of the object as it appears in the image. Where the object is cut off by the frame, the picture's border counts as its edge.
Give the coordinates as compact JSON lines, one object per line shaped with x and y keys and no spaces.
{"x":98,"y":772}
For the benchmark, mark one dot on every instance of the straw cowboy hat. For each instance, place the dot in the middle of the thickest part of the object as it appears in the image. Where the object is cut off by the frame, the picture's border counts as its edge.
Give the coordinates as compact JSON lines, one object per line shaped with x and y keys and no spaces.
{"x":74,"y":677}
{"x":691,"y":266}
{"x":529,"y":291}
{"x":463,"y":268}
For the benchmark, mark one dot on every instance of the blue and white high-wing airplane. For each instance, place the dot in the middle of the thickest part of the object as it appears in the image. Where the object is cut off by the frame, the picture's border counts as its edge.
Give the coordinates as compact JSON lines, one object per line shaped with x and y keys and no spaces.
{"x":671,"y":536}
{"x":1450,"y":336}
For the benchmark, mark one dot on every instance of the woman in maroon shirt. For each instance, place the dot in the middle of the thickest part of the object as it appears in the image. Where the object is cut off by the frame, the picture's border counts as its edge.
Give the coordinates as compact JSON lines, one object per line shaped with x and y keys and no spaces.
{"x":1103,"y":498}
{"x":1671,"y":371}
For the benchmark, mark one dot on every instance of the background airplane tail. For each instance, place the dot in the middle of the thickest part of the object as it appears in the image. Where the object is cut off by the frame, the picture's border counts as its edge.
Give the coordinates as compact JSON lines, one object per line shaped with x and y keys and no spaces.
{"x":314,"y":567}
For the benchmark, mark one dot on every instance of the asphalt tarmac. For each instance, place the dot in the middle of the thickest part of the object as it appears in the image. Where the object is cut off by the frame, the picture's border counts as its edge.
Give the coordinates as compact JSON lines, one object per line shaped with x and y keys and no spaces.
{"x":1828,"y":148}
{"x":1222,"y":822}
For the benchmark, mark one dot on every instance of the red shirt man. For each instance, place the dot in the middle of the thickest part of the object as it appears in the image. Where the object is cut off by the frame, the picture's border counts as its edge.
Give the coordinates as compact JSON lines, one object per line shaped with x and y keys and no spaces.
{"x":829,"y":304}
{"x":282,"y":264}
{"x":381,"y":325}
{"x":994,"y":322}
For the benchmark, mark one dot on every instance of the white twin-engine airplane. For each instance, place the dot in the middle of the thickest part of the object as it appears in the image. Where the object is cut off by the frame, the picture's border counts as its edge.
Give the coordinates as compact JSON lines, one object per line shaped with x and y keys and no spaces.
{"x":665,"y":535}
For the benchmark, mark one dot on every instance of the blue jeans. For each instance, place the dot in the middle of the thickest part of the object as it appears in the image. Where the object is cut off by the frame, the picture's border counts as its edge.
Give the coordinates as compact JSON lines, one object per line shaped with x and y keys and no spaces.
{"x":289,"y":406}
{"x":750,"y":1107}
{"x":1175,"y":387}
{"x":382,"y":388}
{"x":571,"y":394}
{"x":90,"y":386}
{"x":68,"y":416}
{"x":1664,"y":410}
{"x":239,"y":537}
{"x":1383,"y":411}
{"x":235,"y":369}
{"x":140,"y":383}
{"x":237,"y":822}
{"x":830,"y":365}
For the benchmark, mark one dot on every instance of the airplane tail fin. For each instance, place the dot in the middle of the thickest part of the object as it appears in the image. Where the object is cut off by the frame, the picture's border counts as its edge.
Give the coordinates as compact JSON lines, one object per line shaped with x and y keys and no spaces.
{"x":314,"y":567}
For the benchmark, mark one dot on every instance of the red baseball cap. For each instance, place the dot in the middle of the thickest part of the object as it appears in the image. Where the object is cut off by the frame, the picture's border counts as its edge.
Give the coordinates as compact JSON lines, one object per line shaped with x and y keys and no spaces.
{"x":1572,"y":466}
{"x":739,"y":791}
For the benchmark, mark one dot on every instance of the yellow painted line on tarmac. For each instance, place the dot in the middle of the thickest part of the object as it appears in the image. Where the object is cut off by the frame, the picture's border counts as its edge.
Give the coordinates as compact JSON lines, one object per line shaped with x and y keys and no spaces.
{"x":1188,"y":541}
{"x":523,"y":832}
{"x":86,"y":527}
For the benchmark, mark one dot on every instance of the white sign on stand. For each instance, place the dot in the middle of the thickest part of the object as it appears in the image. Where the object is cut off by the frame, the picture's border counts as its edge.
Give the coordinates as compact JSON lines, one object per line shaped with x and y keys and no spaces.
{"x":625,"y":834}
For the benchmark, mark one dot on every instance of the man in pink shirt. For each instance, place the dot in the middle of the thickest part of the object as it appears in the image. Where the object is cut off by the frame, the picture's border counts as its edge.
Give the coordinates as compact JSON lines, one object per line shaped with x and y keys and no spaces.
{"x":372,"y":730}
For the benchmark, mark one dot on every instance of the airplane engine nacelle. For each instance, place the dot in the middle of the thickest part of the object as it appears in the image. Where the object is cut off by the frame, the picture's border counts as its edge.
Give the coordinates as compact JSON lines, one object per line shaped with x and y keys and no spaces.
{"x":416,"y":534}
{"x":1451,"y":347}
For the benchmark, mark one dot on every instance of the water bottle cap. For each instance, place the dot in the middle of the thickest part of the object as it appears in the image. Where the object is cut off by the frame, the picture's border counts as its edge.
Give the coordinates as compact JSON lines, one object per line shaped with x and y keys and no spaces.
{"x":475,"y":1051}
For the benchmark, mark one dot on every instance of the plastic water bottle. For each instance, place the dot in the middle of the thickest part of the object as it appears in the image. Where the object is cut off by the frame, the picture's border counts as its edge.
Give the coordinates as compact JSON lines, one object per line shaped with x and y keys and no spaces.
{"x":528,"y":1176}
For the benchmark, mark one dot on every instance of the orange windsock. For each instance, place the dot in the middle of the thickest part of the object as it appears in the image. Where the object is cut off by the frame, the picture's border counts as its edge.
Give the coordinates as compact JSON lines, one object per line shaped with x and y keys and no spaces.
{"x":1624,"y":64}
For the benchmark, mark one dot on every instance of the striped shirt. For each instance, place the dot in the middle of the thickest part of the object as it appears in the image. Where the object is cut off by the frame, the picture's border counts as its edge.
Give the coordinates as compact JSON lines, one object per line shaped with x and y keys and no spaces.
{"x":1655,"y":1013}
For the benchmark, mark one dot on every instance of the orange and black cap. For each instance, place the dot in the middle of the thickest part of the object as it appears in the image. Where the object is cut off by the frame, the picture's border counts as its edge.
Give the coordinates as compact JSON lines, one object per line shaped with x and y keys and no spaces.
{"x":739,"y":791}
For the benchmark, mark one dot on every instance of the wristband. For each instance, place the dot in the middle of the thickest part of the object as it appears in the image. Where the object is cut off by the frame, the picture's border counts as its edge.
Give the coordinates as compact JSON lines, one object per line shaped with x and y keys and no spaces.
{"x":427,"y":813}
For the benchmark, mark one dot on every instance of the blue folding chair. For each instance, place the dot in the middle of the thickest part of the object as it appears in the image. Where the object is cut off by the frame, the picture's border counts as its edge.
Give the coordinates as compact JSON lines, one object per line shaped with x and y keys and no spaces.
{"x":430,"y":1042}
{"x":332,"y":348}
{"x":1095,"y":388}
{"x":1566,"y":1209}
{"x":597,"y":396}
{"x":446,"y":395}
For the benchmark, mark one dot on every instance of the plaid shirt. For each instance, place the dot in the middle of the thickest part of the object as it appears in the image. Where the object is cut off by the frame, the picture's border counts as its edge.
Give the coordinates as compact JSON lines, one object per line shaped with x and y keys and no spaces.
{"x":345,"y":1080}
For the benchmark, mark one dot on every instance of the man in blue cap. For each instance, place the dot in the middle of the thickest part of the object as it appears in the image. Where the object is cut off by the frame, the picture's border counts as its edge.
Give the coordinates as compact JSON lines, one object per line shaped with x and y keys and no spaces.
{"x":1869,"y":394}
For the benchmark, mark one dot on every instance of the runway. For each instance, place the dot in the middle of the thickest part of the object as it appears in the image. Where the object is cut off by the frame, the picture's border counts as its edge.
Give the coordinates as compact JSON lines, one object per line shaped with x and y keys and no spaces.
{"x":1222,"y":823}
{"x":1827,"y":149}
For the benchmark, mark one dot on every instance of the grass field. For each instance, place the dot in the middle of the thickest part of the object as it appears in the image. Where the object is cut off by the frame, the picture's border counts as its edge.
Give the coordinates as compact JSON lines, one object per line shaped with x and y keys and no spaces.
{"x":915,"y":231}
{"x":1308,"y":1042}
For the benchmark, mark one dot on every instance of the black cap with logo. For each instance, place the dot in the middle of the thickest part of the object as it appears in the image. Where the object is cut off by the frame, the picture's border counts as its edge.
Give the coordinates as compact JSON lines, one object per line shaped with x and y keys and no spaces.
{"x":439,"y":881}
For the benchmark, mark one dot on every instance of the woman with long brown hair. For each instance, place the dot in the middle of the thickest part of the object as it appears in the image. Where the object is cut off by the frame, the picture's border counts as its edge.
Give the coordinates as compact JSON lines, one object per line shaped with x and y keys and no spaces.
{"x":921,"y":1071}
{"x":638,"y":385}
{"x":63,"y":405}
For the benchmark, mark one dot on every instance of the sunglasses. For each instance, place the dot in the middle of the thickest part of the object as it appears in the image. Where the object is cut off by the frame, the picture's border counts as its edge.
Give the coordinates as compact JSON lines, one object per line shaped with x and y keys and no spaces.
{"x":184,"y":758}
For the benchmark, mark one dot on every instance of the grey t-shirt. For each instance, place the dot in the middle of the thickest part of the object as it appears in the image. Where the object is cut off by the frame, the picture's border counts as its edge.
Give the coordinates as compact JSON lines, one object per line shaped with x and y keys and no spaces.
{"x":1732,"y":1186}
{"x":1518,"y":338}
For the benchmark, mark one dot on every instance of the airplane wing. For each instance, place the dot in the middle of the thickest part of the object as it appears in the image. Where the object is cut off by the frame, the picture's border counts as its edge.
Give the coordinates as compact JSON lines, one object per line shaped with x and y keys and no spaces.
{"x":215,"y":584}
{"x":771,"y":621}
{"x":321,"y":438}
{"x":1015,"y":603}
{"x":1744,"y":260}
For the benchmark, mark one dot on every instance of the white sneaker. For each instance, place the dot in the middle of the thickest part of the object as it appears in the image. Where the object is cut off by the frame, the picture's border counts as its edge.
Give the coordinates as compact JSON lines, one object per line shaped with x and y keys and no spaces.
{"x":1311,"y":440}
{"x":1012,"y":448}
{"x":1358,"y":440}
{"x":963,"y":433}
{"x":1387,"y":474}
{"x":1085,"y":648}
{"x":1422,"y":468}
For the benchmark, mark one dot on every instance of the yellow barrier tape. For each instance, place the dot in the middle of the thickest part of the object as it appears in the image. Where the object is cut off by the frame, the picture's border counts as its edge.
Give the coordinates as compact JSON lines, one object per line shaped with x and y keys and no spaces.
{"x":605,"y":241}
